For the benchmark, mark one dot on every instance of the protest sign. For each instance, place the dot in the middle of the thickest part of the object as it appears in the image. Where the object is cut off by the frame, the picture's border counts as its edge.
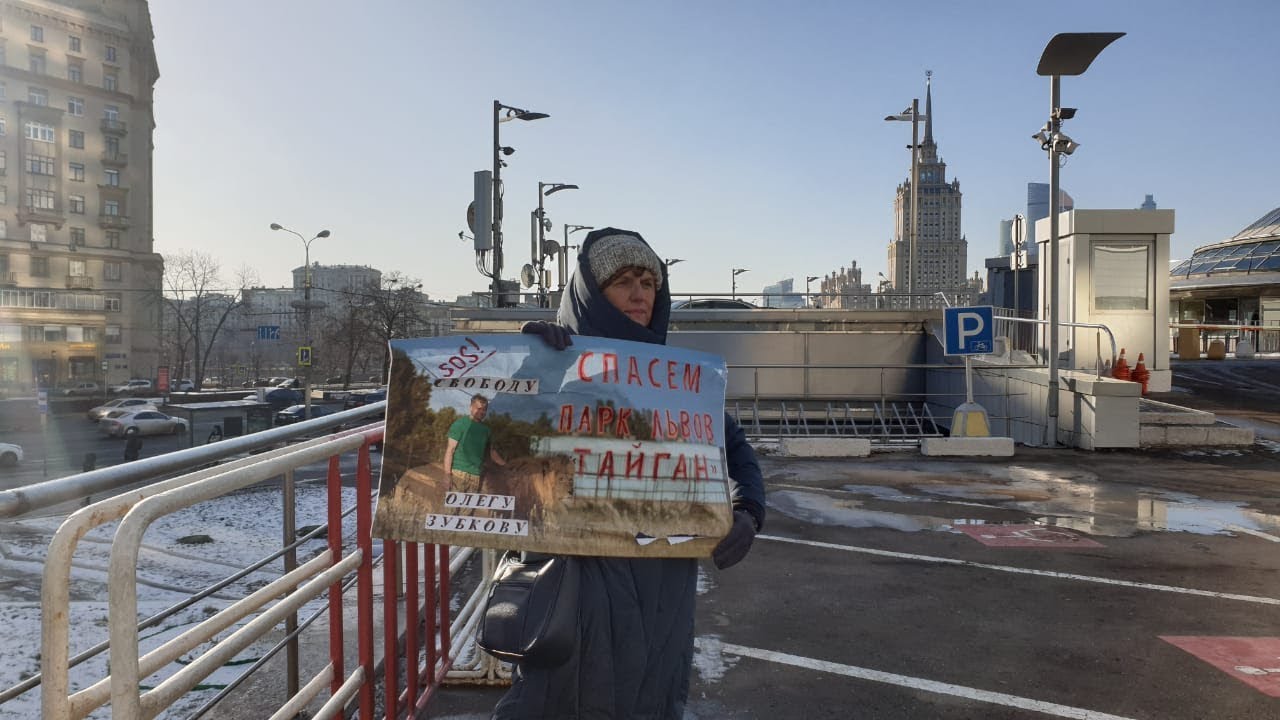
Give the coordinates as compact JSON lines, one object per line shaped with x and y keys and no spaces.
{"x":607,"y":448}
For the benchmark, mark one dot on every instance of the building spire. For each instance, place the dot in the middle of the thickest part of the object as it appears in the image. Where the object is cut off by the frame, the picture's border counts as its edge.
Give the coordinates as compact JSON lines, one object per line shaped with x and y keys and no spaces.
{"x":928,"y":107}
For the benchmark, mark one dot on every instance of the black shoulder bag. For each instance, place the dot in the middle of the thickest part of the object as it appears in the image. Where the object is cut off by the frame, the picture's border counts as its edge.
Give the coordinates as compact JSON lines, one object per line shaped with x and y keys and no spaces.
{"x":531,"y":616}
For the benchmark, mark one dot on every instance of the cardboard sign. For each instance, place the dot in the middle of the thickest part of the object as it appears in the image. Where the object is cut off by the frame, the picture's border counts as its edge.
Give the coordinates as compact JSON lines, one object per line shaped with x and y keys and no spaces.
{"x":607,"y":448}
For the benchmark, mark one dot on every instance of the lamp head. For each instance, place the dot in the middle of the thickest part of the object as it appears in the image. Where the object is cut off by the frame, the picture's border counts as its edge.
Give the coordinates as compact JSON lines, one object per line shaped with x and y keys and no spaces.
{"x":276,"y":226}
{"x":507,"y":150}
{"x":557,"y":187}
{"x":322,"y":233}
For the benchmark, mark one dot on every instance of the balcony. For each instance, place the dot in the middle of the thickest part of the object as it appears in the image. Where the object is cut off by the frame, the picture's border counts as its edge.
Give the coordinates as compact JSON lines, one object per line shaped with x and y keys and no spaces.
{"x":113,"y":222}
{"x":114,"y":159}
{"x":79,"y":282}
{"x":115,"y":127}
{"x":43,"y":215}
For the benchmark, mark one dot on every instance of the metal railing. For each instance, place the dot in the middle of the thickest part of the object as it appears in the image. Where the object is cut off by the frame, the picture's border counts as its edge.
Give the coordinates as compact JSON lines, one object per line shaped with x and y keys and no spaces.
{"x":424,"y":633}
{"x":1264,"y":338}
{"x":1011,"y":327}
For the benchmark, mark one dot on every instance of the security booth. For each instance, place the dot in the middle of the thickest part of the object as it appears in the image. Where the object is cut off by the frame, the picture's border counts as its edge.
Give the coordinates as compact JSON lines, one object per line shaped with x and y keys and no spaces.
{"x":212,"y":421}
{"x":1113,"y":270}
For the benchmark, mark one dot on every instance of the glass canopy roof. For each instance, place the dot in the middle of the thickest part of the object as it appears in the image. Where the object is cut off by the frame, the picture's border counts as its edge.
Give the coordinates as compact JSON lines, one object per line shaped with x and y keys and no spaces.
{"x":1238,"y":255}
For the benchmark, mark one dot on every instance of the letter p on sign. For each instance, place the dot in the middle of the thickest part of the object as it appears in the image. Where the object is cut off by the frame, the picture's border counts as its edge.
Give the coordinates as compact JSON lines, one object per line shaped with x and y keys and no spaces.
{"x":968,"y":330}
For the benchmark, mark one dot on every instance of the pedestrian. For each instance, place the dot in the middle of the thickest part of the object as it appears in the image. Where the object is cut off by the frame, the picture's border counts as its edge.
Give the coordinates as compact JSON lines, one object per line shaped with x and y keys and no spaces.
{"x":635,"y":623}
{"x":469,"y":442}
{"x":132,"y":448}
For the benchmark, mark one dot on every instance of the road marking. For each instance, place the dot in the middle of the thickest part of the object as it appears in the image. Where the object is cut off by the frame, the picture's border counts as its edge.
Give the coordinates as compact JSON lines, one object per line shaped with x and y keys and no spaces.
{"x":1255,"y":533}
{"x":1027,"y":571}
{"x":986,"y":696}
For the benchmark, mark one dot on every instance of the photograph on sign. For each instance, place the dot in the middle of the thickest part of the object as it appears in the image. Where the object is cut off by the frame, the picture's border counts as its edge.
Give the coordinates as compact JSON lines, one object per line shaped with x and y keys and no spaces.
{"x":607,"y":448}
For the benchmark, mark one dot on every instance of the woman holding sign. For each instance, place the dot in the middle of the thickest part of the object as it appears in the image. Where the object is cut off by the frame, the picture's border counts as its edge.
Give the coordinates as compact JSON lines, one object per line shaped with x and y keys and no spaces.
{"x":635,"y":623}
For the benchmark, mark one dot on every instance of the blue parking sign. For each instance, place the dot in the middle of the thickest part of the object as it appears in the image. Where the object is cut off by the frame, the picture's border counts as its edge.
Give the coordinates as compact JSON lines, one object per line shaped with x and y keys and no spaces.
{"x":968,"y":330}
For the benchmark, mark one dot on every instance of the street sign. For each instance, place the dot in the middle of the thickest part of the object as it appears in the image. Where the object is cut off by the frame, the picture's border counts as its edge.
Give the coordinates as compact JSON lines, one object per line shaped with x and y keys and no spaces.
{"x":42,"y":401}
{"x":268,"y":332}
{"x":304,"y":356}
{"x":968,"y":330}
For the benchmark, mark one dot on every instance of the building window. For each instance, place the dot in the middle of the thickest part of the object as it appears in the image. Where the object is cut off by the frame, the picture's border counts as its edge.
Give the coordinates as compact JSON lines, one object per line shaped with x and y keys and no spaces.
{"x":54,"y":333}
{"x":77,"y":171}
{"x":38,"y":199}
{"x":39,"y":266}
{"x":37,"y":33}
{"x":40,"y":165}
{"x":76,"y":268}
{"x":38,"y":233}
{"x":36,"y":62}
{"x":111,"y":207}
{"x":75,"y":106}
{"x":38,"y":96}
{"x":111,"y":53}
{"x":4,"y":91}
{"x":113,"y":145}
{"x":39,"y":131}
{"x":1121,"y":277}
{"x":4,"y":197}
{"x":75,"y":138}
{"x":75,"y":72}
{"x":3,"y":125}
{"x":111,"y":302}
{"x":77,"y":237}
{"x":73,"y":43}
{"x":112,"y":335}
{"x":110,"y":81}
{"x":111,"y":271}
{"x":76,"y":203}
{"x":111,"y":112}
{"x":112,"y":177}
{"x":113,"y":239}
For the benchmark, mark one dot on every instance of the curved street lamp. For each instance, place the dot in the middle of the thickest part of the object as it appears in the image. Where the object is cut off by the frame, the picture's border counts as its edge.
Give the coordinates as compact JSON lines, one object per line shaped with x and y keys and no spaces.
{"x":564,"y":250}
{"x":1066,"y":54}
{"x":538,"y":249}
{"x":502,"y":113}
{"x":913,"y":116}
{"x":306,"y":309}
{"x":736,"y":273}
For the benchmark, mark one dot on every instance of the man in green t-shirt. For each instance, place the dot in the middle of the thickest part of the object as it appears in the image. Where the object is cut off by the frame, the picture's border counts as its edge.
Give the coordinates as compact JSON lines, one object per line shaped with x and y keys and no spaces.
{"x":465,"y":453}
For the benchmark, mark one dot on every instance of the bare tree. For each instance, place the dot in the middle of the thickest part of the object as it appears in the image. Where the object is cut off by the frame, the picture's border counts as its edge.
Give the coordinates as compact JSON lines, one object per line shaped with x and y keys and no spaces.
{"x":199,"y":304}
{"x":346,"y":333}
{"x":394,"y":309}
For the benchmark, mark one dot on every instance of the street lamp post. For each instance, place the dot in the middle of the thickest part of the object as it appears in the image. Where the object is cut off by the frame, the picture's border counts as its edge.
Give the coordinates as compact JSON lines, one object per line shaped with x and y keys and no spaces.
{"x":289,"y":517}
{"x":537,"y":251}
{"x":912,"y":114}
{"x":564,"y":250}
{"x":734,"y":277}
{"x":1066,"y":54}
{"x":512,"y":113}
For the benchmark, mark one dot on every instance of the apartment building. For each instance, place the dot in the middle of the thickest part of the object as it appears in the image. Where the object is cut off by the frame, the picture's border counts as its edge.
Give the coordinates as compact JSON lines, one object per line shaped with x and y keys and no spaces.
{"x":79,"y":278}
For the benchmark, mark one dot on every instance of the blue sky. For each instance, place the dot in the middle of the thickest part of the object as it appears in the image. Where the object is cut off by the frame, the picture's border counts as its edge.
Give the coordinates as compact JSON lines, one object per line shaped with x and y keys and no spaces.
{"x":745,"y":134}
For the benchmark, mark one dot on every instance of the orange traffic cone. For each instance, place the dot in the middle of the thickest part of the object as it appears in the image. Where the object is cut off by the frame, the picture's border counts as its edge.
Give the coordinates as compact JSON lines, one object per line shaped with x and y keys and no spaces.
{"x":1141,"y":374}
{"x":1121,"y":369}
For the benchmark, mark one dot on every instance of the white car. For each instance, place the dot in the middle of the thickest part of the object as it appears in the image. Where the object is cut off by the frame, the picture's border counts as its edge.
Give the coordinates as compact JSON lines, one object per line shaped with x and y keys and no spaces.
{"x":133,"y":387}
{"x":122,"y":423}
{"x":101,"y":411}
{"x":10,"y":454}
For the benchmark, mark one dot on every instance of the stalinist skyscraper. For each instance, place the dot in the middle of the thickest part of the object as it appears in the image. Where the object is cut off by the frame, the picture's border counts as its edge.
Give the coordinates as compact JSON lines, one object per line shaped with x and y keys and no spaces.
{"x":941,"y":249}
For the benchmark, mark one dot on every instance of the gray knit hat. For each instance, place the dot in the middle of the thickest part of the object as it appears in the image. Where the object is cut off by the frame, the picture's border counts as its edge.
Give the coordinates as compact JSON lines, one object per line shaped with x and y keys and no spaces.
{"x":612,"y":253}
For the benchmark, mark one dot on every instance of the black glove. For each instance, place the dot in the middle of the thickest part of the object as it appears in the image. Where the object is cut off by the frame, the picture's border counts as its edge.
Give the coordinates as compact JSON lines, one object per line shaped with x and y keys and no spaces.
{"x":737,"y":543}
{"x":556,"y":336}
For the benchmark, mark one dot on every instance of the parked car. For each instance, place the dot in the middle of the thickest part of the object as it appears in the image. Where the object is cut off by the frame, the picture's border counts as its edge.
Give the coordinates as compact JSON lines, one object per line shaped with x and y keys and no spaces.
{"x":10,"y":454}
{"x":133,"y":387}
{"x":121,"y":423}
{"x":88,"y":389}
{"x":292,"y":383}
{"x":101,"y":411}
{"x":183,"y":385}
{"x":279,"y":398}
{"x":295,"y":413}
{"x":360,"y":399}
{"x":713,"y":304}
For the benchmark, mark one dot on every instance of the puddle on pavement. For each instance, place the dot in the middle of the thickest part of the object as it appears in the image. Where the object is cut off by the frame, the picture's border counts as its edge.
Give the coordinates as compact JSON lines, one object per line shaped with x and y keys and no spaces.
{"x":1069,"y":497}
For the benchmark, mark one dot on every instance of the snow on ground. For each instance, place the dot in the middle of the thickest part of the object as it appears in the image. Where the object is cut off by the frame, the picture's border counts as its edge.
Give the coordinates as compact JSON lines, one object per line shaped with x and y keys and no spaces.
{"x":245,"y":527}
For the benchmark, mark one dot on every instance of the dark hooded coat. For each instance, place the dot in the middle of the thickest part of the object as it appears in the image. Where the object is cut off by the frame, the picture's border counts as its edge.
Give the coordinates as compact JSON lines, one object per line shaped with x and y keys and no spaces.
{"x":635,"y":625}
